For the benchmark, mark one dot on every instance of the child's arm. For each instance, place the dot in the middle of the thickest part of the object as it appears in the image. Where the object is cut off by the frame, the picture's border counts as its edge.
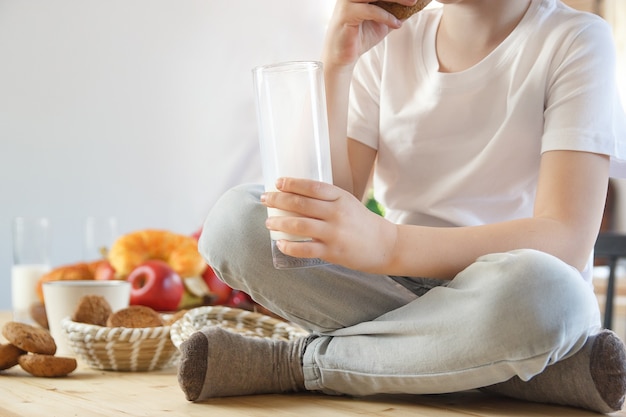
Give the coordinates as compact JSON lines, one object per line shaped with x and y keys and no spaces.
{"x":568,"y":211}
{"x":355,"y":27}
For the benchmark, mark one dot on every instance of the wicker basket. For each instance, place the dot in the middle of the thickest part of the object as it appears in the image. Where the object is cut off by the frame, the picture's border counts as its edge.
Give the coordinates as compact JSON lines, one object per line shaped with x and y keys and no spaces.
{"x":235,"y":320}
{"x":120,"y":348}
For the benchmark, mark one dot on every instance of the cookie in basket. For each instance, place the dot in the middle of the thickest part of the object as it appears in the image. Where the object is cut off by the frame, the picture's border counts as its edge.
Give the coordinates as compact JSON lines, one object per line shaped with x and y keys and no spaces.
{"x":175,"y":317}
{"x":135,"y":316}
{"x":92,"y":309}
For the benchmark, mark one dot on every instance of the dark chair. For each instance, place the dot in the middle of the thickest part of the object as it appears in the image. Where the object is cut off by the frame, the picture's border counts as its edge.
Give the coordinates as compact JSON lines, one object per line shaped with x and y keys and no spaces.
{"x":611,"y":247}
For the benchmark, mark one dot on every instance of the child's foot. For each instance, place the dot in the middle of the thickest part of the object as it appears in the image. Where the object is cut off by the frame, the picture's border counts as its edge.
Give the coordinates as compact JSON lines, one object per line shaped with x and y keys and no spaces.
{"x":219,"y":363}
{"x":594,"y":378}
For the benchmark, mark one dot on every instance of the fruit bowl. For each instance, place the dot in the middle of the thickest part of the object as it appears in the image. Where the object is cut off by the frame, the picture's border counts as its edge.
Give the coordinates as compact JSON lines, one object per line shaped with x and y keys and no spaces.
{"x":121,"y":348}
{"x":235,"y":320}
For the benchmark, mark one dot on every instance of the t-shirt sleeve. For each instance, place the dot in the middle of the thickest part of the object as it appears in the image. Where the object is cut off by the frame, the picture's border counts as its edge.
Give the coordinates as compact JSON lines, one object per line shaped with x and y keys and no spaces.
{"x":583,"y":110}
{"x":364,"y":105}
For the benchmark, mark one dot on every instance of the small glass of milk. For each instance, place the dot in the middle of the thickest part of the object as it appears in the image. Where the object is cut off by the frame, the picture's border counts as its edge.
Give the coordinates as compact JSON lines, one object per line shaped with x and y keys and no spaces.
{"x":31,"y":259}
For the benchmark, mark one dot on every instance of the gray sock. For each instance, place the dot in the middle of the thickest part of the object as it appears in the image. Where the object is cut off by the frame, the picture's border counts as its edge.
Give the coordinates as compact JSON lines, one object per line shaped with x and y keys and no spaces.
{"x":219,"y":363}
{"x":594,"y":378}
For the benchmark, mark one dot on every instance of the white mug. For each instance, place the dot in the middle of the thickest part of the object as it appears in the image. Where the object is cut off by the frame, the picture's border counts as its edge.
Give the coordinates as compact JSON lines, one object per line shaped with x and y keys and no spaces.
{"x":61,"y":299}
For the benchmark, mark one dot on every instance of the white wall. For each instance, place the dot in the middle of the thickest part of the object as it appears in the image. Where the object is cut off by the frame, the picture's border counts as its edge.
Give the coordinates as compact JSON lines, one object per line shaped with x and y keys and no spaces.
{"x":140,"y":109}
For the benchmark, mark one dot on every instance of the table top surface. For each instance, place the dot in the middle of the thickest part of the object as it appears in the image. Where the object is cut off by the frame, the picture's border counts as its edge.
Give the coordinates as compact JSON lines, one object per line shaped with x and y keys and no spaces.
{"x":92,"y":392}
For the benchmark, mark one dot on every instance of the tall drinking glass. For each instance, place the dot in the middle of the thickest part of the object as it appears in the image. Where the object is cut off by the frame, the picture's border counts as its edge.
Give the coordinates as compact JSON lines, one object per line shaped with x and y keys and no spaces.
{"x":100,"y":234}
{"x":31,"y":259}
{"x":293,"y":134}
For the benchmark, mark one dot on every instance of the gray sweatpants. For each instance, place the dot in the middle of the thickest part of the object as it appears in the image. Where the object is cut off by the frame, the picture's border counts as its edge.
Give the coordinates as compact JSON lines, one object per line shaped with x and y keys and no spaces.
{"x":507,"y":314}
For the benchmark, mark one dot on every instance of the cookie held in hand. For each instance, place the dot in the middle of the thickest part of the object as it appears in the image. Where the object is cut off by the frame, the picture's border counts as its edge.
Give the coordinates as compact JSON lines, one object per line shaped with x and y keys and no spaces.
{"x":402,"y":12}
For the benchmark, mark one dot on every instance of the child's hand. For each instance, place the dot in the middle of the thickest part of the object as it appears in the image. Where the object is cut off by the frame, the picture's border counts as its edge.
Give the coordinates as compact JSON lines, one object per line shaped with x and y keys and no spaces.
{"x":355,"y":27}
{"x":343,"y":230}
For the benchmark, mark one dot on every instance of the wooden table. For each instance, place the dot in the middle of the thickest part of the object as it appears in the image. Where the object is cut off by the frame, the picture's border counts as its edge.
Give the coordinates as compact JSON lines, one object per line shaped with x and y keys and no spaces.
{"x":90,"y":392}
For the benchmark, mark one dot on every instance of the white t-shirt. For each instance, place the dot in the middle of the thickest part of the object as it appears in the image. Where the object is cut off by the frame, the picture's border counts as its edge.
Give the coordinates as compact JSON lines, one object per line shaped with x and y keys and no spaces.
{"x":462,"y":149}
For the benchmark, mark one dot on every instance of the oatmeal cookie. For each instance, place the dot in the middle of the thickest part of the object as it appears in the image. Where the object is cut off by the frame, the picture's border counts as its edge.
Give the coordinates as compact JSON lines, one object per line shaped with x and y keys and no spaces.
{"x":402,"y":12}
{"x":9,"y":355}
{"x":92,"y":309}
{"x":38,"y":314}
{"x":135,"y":316}
{"x":175,"y":317}
{"x":47,"y":365}
{"x":29,"y":338}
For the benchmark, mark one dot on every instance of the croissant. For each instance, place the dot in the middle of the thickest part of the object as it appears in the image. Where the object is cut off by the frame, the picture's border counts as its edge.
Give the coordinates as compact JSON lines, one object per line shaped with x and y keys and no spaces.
{"x":71,"y":272}
{"x":179,"y":251}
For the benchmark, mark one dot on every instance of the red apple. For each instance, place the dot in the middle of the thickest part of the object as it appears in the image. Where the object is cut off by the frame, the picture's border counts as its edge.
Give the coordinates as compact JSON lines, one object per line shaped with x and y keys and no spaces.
{"x":239,"y":299}
{"x":155,"y":284}
{"x":104,"y":271}
{"x":217,"y":287}
{"x":196,"y":234}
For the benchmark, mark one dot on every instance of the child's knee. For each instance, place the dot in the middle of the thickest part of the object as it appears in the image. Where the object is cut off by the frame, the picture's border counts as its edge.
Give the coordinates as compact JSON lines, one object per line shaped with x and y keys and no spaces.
{"x":536,"y":292}
{"x":234,"y":229}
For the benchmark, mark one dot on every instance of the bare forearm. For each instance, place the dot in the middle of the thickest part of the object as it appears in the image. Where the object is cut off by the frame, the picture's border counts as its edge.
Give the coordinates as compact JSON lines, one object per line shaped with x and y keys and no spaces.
{"x":354,"y":28}
{"x":444,"y":252}
{"x":564,"y":224}
{"x":337,"y":80}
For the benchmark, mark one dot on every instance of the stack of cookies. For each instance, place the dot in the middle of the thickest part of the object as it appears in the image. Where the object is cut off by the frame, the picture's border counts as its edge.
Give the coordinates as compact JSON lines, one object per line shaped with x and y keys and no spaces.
{"x":33,"y":349}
